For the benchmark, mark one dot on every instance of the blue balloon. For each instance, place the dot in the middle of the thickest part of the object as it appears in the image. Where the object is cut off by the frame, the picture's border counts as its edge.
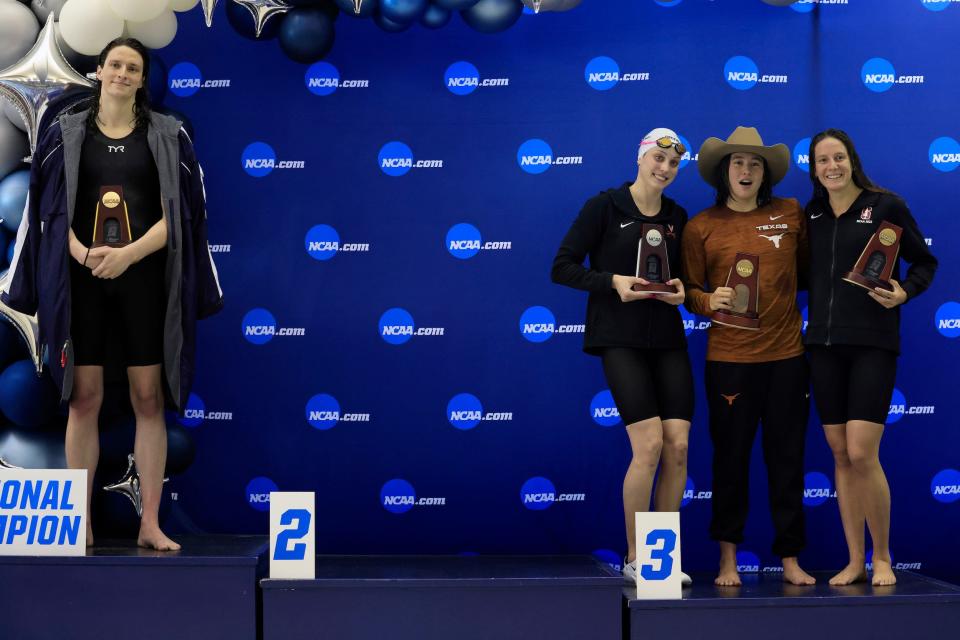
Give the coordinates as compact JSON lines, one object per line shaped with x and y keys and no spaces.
{"x":454,"y":5}
{"x":306,"y":35}
{"x":181,"y":449}
{"x":404,"y":11}
{"x":13,"y":197}
{"x":157,"y":82}
{"x":490,"y":16}
{"x":243,"y":23}
{"x":366,"y":8}
{"x":10,"y":249}
{"x":26,"y":399}
{"x":11,"y":345}
{"x":33,"y":449}
{"x":389,"y":25}
{"x":329,"y":7}
{"x":435,"y":17}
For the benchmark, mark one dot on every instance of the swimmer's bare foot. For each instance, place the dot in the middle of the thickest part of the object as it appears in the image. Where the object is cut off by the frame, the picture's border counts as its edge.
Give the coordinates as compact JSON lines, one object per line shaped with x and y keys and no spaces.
{"x":882,"y":573}
{"x":728,"y":575}
{"x":154,"y":538}
{"x":793,"y":574}
{"x":853,"y":572}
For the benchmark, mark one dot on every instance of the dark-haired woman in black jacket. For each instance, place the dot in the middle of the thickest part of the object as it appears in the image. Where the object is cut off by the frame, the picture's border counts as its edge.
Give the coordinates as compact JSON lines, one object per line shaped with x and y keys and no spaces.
{"x":853,"y":338}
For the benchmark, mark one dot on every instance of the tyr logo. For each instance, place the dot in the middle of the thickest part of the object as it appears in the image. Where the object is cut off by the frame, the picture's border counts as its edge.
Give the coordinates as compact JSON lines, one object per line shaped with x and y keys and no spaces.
{"x":115,"y":148}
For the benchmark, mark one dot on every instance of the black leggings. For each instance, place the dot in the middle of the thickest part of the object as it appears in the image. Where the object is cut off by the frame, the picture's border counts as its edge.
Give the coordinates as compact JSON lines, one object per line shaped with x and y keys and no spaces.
{"x":741,"y":396}
{"x":649,"y":383}
{"x":852,"y":383}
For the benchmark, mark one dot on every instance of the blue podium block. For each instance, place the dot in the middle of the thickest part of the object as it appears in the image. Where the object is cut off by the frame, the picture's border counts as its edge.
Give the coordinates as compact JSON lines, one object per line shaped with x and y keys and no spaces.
{"x":765,"y":606}
{"x":207,"y":590}
{"x":444,"y":597}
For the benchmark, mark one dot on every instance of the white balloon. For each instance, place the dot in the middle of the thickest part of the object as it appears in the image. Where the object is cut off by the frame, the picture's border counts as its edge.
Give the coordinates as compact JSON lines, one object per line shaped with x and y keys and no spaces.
{"x":138,"y":10}
{"x":18,"y":32}
{"x":13,"y":115}
{"x":43,"y":8}
{"x":156,"y":33}
{"x":88,"y":25}
{"x":183,"y":5}
{"x":13,"y":147}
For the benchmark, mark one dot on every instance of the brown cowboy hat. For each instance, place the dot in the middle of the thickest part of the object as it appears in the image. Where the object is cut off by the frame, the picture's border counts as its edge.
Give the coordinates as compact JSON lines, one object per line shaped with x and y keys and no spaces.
{"x":745,"y":140}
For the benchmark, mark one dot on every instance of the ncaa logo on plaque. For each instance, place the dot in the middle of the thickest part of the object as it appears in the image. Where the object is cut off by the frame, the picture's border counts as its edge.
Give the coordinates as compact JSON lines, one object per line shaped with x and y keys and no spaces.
{"x":948,"y":319}
{"x":323,"y":411}
{"x":945,"y":486}
{"x":603,"y":410}
{"x":461,"y":78}
{"x":537,"y":324}
{"x":464,"y":411}
{"x":944,"y":154}
{"x":322,"y":78}
{"x":602,"y":73}
{"x":537,"y":493}
{"x":395,"y":158}
{"x":258,"y":493}
{"x":397,"y":496}
{"x":259,"y":326}
{"x":396,"y":326}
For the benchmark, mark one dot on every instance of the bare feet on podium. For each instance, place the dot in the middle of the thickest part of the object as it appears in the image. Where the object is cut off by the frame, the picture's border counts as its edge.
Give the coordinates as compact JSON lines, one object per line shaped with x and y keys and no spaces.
{"x":853,"y":572}
{"x":151,"y":537}
{"x":882,"y":573}
{"x":793,"y":574}
{"x":728,"y":575}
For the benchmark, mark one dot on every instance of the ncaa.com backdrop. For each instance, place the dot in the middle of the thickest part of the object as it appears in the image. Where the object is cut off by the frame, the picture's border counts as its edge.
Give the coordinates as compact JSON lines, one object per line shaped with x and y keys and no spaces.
{"x":384,"y":224}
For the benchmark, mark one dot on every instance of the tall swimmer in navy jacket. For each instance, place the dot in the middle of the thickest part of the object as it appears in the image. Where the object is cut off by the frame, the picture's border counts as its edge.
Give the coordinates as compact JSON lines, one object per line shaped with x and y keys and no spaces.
{"x":640,"y":340}
{"x":853,"y":338}
{"x":133,"y":306}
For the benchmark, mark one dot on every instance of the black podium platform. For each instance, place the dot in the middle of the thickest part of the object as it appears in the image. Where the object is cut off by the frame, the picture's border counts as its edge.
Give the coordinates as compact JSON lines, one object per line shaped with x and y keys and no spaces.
{"x":916,"y":607}
{"x":447,"y":597}
{"x":207,"y":590}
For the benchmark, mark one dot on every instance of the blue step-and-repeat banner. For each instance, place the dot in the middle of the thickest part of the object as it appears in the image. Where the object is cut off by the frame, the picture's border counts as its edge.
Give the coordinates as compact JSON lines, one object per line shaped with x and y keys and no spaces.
{"x":384,"y":224}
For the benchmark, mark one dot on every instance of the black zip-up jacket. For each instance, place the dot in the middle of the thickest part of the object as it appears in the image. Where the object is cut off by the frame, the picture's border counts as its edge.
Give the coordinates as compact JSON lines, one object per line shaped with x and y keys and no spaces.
{"x":608,"y":231}
{"x":843,"y":313}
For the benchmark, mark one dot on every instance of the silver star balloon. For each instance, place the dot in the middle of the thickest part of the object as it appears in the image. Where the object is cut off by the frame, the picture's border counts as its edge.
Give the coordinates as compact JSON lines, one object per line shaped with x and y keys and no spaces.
{"x":550,"y":5}
{"x":42,"y":75}
{"x":129,"y":485}
{"x":208,"y":7}
{"x":263,"y":10}
{"x":25,"y":325}
{"x":6,"y":465}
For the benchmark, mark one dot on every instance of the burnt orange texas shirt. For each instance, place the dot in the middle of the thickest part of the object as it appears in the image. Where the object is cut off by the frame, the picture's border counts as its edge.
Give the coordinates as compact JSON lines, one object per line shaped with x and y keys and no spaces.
{"x":778,"y":234}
